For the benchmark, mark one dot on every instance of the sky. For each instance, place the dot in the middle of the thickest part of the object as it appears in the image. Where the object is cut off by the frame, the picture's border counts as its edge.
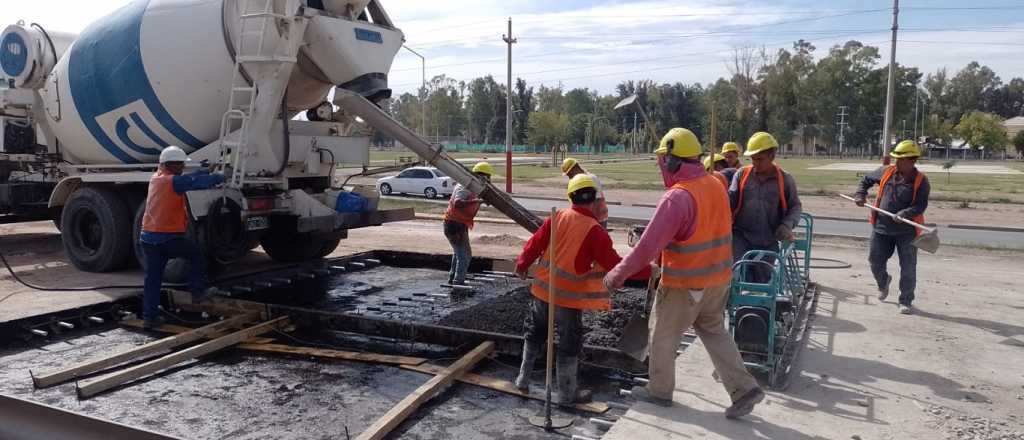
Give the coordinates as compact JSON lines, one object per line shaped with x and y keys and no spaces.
{"x":598,"y":43}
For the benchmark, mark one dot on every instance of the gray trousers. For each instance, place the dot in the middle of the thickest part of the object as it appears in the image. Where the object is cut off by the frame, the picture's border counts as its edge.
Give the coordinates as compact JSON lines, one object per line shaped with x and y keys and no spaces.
{"x":569,"y":328}
{"x":882,"y":247}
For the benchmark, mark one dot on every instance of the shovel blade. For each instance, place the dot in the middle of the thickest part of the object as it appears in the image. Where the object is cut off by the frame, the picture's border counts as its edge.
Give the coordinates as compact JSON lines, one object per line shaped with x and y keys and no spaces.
{"x":634,"y":337}
{"x":928,"y":242}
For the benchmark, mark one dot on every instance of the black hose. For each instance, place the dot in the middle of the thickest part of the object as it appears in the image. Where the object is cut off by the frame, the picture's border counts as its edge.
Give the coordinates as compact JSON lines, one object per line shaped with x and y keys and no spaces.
{"x":67,"y":289}
{"x":840,"y":264}
{"x":287,"y":134}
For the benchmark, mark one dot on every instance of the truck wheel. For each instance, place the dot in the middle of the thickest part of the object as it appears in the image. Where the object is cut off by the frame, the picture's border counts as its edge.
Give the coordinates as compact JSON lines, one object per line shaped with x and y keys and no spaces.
{"x":294,"y":247}
{"x":93,"y":225}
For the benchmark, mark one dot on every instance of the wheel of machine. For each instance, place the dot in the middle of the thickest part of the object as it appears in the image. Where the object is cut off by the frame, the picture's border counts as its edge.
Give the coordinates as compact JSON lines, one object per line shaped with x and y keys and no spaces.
{"x":430,"y":193}
{"x":385,"y":189}
{"x":283,"y":244}
{"x":93,"y":225}
{"x":177,"y":269}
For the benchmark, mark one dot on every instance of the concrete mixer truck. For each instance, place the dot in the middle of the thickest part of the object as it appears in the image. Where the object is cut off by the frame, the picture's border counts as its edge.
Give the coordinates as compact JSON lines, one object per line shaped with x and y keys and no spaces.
{"x":84,"y":118}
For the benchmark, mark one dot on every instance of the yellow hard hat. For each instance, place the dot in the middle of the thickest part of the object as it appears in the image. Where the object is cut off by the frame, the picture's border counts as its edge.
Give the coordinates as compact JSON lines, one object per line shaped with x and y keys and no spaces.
{"x":759,"y":142}
{"x":731,"y":146}
{"x":483,"y":168}
{"x":709,"y":162}
{"x":905,"y":149}
{"x":578,"y":182}
{"x":680,"y":142}
{"x":568,"y":163}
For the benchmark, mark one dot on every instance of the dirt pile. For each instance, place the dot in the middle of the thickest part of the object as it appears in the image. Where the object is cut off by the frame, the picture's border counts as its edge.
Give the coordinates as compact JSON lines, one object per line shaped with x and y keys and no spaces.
{"x":507,"y":313}
{"x":500,"y":240}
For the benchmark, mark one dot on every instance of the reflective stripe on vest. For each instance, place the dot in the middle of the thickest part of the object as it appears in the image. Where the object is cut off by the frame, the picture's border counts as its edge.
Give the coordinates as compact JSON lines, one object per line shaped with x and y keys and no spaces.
{"x":745,"y":173}
{"x":584,"y":291}
{"x":889,"y":172}
{"x":165,"y":209}
{"x":705,"y":259}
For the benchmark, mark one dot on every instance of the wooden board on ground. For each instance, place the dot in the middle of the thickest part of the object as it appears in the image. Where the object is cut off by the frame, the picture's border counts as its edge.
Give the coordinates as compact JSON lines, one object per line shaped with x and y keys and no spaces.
{"x":101,"y":384}
{"x":501,"y":385}
{"x":403,"y":409}
{"x":174,"y":329}
{"x":109,"y":360}
{"x":334,"y":354}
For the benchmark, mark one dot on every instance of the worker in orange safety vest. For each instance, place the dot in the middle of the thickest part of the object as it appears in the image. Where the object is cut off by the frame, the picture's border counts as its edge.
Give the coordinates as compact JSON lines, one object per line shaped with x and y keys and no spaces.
{"x":583,"y":251}
{"x":571,"y":168}
{"x":458,"y":220}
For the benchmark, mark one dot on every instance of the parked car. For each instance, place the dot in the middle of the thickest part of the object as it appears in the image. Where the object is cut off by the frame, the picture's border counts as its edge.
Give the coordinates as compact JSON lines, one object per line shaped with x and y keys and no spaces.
{"x":426,"y":181}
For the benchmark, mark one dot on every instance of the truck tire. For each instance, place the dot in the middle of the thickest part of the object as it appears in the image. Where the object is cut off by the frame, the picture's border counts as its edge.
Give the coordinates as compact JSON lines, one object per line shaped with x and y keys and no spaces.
{"x":289,"y":248}
{"x":93,"y":230}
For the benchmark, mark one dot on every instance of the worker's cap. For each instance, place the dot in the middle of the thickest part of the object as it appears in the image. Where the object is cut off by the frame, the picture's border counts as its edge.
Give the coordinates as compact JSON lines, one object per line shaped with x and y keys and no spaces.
{"x":679,"y":142}
{"x":483,"y":168}
{"x":173,"y":154}
{"x":568,"y":163}
{"x":905,"y":149}
{"x":760,"y":141}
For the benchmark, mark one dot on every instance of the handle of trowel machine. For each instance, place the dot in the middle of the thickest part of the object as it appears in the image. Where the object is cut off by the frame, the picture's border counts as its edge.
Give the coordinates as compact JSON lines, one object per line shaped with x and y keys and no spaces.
{"x":894,"y":216}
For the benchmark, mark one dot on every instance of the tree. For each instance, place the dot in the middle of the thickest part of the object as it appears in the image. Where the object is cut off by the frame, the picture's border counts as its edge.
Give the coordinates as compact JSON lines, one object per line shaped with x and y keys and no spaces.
{"x":579,"y":101}
{"x":1018,"y":141}
{"x":972,"y":88}
{"x":524,"y":103}
{"x":948,"y":166}
{"x":983,"y":131}
{"x":548,"y":128}
{"x":550,"y":99}
{"x":485,"y":105}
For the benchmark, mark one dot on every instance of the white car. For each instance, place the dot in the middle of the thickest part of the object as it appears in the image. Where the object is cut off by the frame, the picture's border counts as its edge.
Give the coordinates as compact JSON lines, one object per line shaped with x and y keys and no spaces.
{"x":426,"y":181}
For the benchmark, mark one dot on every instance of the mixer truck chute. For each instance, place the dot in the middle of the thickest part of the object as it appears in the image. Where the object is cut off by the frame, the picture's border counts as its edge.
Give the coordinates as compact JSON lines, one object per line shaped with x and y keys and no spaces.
{"x":222,"y":79}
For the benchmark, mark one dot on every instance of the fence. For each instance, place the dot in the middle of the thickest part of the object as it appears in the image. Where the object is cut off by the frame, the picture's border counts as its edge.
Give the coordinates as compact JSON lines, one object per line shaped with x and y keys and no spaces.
{"x":500,"y":148}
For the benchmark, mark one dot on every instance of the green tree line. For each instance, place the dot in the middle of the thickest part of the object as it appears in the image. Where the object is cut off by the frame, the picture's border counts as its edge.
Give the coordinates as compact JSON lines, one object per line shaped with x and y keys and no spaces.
{"x":792,"y":93}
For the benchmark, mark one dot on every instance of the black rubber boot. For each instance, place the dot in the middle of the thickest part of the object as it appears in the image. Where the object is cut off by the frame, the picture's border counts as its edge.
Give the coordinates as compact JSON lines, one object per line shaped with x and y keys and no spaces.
{"x":529,"y":358}
{"x":567,"y":376}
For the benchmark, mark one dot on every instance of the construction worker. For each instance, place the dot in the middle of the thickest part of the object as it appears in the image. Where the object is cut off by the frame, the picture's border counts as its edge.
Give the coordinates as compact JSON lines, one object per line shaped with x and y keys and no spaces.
{"x":731,"y":152}
{"x":903,"y":190}
{"x":163,"y":230}
{"x":582,"y":253}
{"x":690,"y":232}
{"x":571,"y":167}
{"x":458,"y":220}
{"x":764,"y":201}
{"x":714,"y":164}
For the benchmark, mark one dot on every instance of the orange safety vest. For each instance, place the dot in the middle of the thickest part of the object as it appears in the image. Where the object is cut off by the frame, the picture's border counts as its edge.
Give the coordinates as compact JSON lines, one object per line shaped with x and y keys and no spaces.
{"x":705,"y":259}
{"x":464,"y":215}
{"x":721,"y":178}
{"x":165,"y":209}
{"x":575,"y":291}
{"x":889,"y":172}
{"x":746,"y":172}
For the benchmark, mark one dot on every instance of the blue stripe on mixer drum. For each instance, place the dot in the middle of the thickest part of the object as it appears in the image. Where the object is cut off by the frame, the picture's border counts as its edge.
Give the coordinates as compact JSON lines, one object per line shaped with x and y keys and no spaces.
{"x":106,"y":73}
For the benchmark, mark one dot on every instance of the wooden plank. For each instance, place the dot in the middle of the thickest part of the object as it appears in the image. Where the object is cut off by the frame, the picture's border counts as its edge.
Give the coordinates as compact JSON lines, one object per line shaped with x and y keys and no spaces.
{"x":170,"y":342}
{"x":98,"y":385}
{"x":501,"y":385}
{"x":334,"y":354}
{"x":403,"y":409}
{"x":174,"y":329}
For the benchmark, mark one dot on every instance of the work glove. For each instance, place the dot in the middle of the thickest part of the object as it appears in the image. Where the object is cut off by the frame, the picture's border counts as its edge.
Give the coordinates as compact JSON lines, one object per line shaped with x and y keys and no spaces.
{"x":860,"y":201}
{"x":783,"y":233}
{"x":903,"y":214}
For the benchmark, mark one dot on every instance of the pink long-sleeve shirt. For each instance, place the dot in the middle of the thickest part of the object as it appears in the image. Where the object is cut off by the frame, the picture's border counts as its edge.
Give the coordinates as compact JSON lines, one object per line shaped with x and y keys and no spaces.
{"x":673,"y":219}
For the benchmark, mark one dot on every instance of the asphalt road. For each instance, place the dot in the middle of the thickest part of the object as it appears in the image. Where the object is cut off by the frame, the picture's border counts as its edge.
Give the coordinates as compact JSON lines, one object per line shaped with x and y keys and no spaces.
{"x":641,"y":214}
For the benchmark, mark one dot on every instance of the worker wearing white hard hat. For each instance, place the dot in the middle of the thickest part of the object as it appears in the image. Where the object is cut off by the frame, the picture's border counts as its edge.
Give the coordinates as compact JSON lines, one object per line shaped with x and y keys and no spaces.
{"x":163,"y":229}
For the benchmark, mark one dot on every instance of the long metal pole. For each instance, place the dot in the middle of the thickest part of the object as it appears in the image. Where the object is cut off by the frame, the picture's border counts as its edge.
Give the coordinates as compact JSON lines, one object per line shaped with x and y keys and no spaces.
{"x":551,"y":323}
{"x":917,"y":101}
{"x":508,"y":111}
{"x":886,"y":133}
{"x":423,"y":103}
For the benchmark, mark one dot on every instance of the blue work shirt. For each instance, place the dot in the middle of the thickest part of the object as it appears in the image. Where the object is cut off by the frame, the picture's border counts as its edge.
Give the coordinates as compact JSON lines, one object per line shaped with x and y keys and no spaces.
{"x":200,"y":179}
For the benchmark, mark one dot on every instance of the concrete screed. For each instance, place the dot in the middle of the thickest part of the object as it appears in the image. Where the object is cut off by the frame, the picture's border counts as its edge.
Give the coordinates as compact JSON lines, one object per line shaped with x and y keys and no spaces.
{"x":951,"y":370}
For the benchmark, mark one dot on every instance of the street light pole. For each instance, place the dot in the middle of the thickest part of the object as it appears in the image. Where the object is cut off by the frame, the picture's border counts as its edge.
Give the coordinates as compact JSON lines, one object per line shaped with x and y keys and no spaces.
{"x":423,"y":103}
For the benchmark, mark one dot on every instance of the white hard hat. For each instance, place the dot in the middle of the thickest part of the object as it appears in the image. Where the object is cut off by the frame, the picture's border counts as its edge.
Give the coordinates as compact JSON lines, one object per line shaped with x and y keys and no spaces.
{"x":173,"y":154}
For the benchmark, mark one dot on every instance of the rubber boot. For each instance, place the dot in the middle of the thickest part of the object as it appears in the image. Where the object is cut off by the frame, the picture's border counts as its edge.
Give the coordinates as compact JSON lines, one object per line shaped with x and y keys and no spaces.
{"x":530,"y":352}
{"x":566,"y":377}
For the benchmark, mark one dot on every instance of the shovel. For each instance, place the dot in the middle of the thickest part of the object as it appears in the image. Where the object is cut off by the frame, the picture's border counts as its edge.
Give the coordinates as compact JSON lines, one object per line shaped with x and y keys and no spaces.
{"x":634,"y":336}
{"x":928,"y":238}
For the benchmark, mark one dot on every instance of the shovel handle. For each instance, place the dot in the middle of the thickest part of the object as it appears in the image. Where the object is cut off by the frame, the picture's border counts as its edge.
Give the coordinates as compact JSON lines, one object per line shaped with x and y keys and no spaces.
{"x":893,"y":216}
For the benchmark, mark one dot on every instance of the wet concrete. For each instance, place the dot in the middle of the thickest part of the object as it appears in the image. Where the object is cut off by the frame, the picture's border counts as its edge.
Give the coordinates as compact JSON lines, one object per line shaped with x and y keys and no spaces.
{"x":238,"y":395}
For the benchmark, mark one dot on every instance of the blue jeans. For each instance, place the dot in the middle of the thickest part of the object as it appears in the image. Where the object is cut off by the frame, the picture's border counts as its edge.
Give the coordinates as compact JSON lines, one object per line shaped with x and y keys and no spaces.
{"x":157,"y":256}
{"x":882,"y":247}
{"x":458,"y":236}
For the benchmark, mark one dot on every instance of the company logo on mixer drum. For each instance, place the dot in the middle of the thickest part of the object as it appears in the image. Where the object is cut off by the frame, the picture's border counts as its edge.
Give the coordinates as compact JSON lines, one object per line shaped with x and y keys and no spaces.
{"x":134,"y":128}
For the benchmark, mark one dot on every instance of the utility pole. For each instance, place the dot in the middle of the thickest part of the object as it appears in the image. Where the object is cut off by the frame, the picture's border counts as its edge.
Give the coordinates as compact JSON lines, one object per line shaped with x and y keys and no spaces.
{"x":917,"y":100}
{"x":886,"y":133}
{"x":842,"y":129}
{"x":634,"y":133}
{"x":508,"y":111}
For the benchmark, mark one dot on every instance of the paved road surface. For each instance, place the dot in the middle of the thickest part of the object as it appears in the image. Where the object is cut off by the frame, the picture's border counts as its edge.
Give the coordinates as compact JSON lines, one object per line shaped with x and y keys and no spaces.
{"x":1014,"y":240}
